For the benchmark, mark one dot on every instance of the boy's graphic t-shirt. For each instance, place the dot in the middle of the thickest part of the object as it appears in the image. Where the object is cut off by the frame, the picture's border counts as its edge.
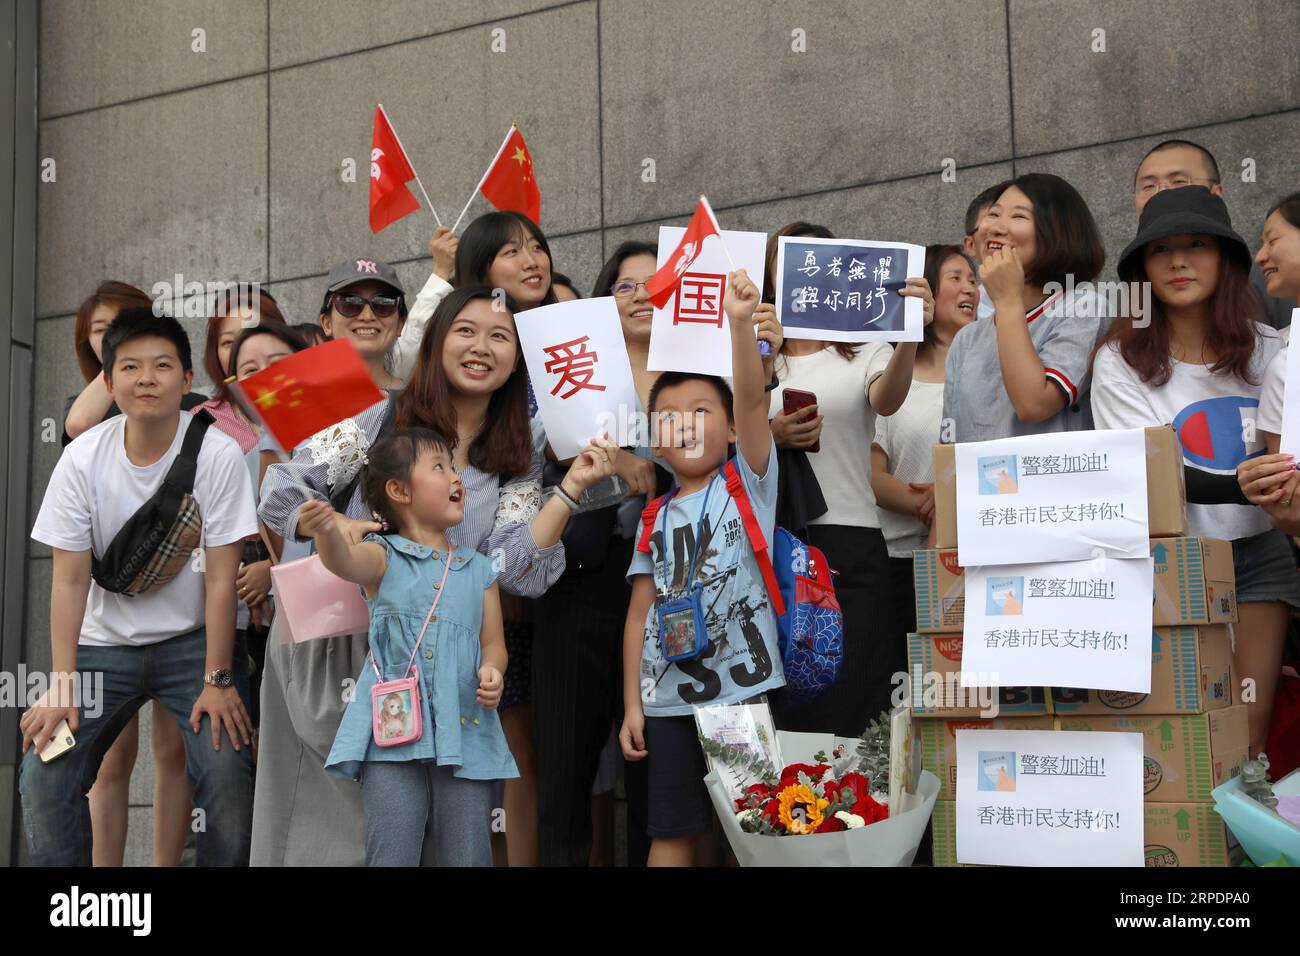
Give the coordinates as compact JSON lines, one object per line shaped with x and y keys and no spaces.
{"x":742,"y":657}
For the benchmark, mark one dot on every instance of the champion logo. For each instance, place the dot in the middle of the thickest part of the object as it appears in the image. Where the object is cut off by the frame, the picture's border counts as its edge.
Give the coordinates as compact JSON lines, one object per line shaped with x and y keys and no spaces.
{"x":375,"y":155}
{"x":365,"y":265}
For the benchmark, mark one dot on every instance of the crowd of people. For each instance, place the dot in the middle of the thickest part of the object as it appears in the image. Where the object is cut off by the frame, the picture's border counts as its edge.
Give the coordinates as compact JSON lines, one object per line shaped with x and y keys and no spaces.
{"x":515,"y":665}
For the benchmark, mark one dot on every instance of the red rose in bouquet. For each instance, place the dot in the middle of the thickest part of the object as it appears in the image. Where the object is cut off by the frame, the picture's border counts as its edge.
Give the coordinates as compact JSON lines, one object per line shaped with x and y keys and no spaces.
{"x":790,"y":775}
{"x":864,"y":805}
{"x":754,"y":796}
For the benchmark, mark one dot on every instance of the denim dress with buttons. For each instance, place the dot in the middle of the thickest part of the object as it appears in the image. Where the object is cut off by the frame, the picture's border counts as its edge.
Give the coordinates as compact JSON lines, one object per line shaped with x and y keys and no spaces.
{"x":457,"y":730}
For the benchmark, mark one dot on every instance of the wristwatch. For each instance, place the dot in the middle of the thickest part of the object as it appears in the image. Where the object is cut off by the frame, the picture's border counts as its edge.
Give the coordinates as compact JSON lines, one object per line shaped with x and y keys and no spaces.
{"x":772,"y":385}
{"x":221,"y":677}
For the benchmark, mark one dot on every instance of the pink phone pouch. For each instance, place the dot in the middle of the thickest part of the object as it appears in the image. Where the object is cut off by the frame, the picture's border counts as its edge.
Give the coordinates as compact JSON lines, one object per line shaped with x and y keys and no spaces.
{"x":395,"y":704}
{"x":315,"y":603}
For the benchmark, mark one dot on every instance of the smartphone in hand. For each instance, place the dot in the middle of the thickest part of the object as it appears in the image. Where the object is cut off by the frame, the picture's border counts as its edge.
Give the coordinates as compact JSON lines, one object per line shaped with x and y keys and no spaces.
{"x":60,"y":743}
{"x":793,"y":400}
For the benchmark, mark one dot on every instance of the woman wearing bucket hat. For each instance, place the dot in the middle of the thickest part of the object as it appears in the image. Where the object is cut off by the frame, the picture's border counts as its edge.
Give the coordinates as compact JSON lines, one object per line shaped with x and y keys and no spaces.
{"x":1197,"y":361}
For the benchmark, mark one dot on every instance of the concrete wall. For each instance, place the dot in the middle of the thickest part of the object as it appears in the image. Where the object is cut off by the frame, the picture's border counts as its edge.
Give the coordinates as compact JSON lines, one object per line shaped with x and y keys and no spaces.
{"x":225,"y":164}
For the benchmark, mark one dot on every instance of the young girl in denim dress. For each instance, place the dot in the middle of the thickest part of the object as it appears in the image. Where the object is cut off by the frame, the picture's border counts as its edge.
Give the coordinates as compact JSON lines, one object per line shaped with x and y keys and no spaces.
{"x":445,"y":774}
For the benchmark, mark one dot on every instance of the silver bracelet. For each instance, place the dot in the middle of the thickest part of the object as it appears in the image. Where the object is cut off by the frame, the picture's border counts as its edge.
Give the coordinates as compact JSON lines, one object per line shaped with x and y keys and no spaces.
{"x":564,"y":496}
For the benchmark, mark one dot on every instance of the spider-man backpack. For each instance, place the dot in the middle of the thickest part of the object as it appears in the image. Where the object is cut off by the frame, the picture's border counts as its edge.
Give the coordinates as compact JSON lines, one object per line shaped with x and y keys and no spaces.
{"x":809,"y":621}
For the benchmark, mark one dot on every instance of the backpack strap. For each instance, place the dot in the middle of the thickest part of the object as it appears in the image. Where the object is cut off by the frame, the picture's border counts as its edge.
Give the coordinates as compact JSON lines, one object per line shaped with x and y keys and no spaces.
{"x":648,"y":516}
{"x":184,"y":468}
{"x":736,"y":488}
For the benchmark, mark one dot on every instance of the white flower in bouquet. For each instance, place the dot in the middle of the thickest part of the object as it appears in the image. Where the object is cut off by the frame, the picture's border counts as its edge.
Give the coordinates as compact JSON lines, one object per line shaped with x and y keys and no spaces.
{"x":851,"y":821}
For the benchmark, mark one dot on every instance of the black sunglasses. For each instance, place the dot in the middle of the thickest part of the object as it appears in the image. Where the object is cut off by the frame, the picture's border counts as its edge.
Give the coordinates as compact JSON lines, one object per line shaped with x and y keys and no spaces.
{"x":349,"y":306}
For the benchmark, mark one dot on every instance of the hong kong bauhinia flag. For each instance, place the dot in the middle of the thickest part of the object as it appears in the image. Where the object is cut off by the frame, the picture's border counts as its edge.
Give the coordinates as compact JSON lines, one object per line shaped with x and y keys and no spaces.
{"x":509,"y":183}
{"x":664,"y":283}
{"x":390,"y":171}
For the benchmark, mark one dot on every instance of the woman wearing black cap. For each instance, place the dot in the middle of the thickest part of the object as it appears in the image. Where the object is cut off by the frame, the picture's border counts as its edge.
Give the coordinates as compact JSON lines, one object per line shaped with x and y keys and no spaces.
{"x":1197,"y":360}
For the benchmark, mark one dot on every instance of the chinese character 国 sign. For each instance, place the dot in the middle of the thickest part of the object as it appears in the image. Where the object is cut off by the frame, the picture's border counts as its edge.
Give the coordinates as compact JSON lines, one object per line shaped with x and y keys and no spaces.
{"x":690,"y":333}
{"x":578,"y":364}
{"x":700,"y":299}
{"x":847,"y":290}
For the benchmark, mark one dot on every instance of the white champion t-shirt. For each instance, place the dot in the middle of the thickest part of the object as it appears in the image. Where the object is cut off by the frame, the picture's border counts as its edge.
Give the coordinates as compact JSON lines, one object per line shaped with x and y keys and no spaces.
{"x":95,"y":489}
{"x":1211,"y":412}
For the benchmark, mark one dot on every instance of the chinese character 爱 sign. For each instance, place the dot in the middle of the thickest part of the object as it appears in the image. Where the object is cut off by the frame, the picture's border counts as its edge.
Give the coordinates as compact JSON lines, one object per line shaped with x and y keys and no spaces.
{"x":578,"y":364}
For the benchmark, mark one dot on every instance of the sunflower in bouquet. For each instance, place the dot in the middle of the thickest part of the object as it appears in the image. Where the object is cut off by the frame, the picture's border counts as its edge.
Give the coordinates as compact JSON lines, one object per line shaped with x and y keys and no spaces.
{"x":827,"y":797}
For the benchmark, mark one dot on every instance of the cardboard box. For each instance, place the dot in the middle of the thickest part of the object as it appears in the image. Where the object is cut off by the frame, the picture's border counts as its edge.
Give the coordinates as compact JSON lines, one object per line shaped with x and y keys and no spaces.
{"x":1174,"y":834}
{"x":1194,"y":581}
{"x":1185,"y":755}
{"x":1191,"y":672}
{"x":1166,"y":495}
{"x":934,"y":684}
{"x":1193,"y":577}
{"x":1186,"y":834}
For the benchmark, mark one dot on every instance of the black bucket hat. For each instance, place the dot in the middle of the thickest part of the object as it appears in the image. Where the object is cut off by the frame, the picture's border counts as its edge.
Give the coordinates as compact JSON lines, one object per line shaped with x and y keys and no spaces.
{"x":1179,"y":212}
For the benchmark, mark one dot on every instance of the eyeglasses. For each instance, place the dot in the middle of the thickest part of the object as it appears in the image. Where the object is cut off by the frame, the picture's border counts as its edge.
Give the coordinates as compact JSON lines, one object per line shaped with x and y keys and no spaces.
{"x":1178,"y":182}
{"x":627,"y":287}
{"x":349,"y":306}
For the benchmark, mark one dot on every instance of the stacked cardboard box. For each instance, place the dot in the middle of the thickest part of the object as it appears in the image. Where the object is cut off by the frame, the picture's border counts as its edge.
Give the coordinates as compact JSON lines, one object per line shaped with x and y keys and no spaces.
{"x":1193,"y":736}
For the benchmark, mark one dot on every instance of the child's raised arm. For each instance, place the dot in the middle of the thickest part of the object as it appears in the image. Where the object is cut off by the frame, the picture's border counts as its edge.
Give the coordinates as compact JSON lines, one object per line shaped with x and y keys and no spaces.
{"x":361,"y":562}
{"x":753,"y":433}
{"x":492,"y":650}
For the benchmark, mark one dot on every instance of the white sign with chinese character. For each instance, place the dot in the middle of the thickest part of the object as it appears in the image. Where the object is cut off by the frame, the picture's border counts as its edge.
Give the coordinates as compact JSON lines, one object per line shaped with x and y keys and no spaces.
{"x":1049,"y":798}
{"x":848,"y":290}
{"x":1060,"y":624}
{"x":1068,"y":496}
{"x":577,"y":361}
{"x":690,"y":333}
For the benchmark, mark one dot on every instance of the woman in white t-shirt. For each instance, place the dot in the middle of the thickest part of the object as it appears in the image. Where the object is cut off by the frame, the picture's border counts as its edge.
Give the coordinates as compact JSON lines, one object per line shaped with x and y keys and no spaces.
{"x":1197,"y":361}
{"x":1270,"y":481}
{"x":853,"y":384}
{"x":902,"y":455}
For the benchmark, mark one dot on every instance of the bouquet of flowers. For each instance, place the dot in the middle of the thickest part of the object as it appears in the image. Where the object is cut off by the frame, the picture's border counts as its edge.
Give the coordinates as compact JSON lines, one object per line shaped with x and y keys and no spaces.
{"x":821,"y":798}
{"x":842,"y":797}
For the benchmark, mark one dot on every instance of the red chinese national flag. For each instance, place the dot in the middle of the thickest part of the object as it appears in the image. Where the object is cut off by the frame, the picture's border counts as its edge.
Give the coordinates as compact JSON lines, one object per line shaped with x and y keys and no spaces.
{"x":308,"y":391}
{"x":390,"y":171}
{"x":509,"y":183}
{"x":664,"y":283}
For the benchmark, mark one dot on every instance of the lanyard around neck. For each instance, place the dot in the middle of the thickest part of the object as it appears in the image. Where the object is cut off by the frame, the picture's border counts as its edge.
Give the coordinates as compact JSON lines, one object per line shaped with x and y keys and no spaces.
{"x":699,"y":530}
